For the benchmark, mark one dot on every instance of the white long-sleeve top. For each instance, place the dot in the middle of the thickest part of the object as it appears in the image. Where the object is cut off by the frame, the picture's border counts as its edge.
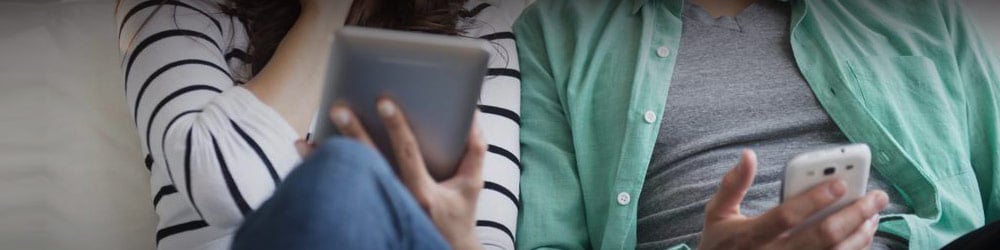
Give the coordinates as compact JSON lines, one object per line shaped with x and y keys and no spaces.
{"x":215,"y":152}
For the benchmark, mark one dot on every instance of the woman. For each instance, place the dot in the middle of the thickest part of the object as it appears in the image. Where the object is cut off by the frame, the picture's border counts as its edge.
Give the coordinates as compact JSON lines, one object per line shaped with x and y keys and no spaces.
{"x":220,"y":91}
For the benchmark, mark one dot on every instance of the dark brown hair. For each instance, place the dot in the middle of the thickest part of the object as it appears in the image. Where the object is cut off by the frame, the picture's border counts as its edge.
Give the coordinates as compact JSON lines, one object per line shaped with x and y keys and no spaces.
{"x":268,"y":21}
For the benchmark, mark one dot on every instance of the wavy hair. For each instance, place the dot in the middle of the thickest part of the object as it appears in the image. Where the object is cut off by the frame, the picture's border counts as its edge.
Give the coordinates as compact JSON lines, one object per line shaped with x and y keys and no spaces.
{"x":268,"y":21}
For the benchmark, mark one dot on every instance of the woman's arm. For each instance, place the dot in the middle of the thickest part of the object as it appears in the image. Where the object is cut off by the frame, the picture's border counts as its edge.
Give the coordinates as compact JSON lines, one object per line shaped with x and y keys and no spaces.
{"x":291,"y":82}
{"x":214,"y":149}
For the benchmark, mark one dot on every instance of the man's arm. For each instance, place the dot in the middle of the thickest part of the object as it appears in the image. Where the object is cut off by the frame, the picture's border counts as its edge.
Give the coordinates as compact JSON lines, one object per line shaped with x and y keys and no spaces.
{"x":979,"y":70}
{"x":552,"y":212}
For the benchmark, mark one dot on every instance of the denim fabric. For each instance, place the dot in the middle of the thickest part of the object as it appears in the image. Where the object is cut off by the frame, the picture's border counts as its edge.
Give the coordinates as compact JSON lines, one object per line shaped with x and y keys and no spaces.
{"x":343,"y":196}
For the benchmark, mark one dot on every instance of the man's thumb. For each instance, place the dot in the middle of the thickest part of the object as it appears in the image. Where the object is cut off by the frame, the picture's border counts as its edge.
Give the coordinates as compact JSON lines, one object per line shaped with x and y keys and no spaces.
{"x":732,"y":188}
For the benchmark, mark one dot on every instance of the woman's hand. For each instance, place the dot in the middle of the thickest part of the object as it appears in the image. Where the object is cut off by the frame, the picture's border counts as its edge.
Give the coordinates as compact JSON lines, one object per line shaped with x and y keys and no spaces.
{"x":451,"y":204}
{"x":726,"y":228}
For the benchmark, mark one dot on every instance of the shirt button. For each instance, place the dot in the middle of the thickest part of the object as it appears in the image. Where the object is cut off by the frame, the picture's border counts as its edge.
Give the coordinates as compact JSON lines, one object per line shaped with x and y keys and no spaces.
{"x":649,"y":116}
{"x":663,"y":51}
{"x":624,"y":198}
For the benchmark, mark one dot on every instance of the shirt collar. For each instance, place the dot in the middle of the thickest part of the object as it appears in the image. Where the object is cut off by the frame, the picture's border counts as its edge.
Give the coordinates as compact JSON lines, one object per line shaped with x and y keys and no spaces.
{"x":637,"y":4}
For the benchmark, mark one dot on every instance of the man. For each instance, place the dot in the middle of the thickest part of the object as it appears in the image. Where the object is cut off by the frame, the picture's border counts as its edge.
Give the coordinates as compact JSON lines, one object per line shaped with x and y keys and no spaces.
{"x":613,"y":160}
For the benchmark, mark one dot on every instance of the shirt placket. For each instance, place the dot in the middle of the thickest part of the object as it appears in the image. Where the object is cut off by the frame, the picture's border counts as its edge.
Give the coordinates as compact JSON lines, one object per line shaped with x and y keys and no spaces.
{"x":656,"y":56}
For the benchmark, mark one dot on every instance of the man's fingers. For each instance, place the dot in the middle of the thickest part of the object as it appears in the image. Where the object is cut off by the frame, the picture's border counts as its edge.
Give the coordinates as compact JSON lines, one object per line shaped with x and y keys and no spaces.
{"x":349,"y":125}
{"x":862,"y":236}
{"x":469,"y":175}
{"x":843,"y":223}
{"x":404,"y":146}
{"x":732,"y":188}
{"x":796,"y":210}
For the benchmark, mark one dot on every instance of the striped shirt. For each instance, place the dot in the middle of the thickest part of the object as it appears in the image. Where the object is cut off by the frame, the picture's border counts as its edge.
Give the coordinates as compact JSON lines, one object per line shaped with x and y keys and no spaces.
{"x":215,"y":152}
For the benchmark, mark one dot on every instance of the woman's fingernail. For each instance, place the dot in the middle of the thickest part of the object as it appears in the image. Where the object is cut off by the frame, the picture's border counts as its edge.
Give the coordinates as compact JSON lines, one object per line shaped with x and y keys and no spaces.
{"x":386,"y":108}
{"x":340,"y":117}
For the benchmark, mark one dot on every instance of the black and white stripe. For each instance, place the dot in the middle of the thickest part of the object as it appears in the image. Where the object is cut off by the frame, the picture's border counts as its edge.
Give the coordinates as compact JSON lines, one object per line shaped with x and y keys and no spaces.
{"x":179,"y":228}
{"x":187,"y":173}
{"x":238,"y":54}
{"x":165,"y":68}
{"x":164,"y":191}
{"x":215,"y":152}
{"x":260,"y":152}
{"x":162,"y":35}
{"x":152,"y":4}
{"x":227,"y":176}
{"x":496,"y":219}
{"x":208,"y":145}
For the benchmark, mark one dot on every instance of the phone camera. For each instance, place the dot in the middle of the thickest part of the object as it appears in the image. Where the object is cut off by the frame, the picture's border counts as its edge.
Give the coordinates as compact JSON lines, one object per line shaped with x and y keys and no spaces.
{"x":829,"y":171}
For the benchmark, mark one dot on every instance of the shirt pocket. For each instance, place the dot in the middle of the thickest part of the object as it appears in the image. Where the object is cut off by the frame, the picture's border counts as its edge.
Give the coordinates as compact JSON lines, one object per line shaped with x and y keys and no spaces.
{"x":921,"y":109}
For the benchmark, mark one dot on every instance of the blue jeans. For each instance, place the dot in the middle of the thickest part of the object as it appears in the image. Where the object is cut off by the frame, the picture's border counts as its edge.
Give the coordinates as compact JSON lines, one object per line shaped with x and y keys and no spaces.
{"x":343,"y":196}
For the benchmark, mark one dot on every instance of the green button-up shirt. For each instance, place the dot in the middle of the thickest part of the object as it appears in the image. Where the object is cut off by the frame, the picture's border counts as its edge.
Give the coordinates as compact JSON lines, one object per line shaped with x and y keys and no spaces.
{"x":912,"y":79}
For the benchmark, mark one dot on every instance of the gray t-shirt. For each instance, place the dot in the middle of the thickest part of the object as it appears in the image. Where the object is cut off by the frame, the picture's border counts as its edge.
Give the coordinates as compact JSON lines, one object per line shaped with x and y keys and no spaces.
{"x":735,"y":85}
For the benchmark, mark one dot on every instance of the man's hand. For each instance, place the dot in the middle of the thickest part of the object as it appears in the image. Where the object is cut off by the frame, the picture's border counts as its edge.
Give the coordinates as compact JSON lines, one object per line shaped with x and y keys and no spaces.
{"x":451,"y":204}
{"x":726,"y":228}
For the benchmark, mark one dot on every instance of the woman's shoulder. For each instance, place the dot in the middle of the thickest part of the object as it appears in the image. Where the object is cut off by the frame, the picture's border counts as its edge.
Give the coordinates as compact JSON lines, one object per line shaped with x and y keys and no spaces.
{"x":130,"y":8}
{"x":145,"y":22}
{"x":204,"y":16}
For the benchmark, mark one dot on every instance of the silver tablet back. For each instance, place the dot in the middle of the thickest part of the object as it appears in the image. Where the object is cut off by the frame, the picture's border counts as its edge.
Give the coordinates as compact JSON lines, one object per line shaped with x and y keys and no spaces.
{"x":435,"y":80}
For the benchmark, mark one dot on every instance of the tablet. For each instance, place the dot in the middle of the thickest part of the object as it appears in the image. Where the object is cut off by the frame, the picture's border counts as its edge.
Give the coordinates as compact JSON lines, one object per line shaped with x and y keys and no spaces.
{"x":435,"y":80}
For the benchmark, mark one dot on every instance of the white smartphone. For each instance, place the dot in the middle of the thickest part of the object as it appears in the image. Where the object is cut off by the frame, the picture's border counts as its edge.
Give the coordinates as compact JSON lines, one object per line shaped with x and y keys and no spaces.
{"x":435,"y":80}
{"x":851,"y":163}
